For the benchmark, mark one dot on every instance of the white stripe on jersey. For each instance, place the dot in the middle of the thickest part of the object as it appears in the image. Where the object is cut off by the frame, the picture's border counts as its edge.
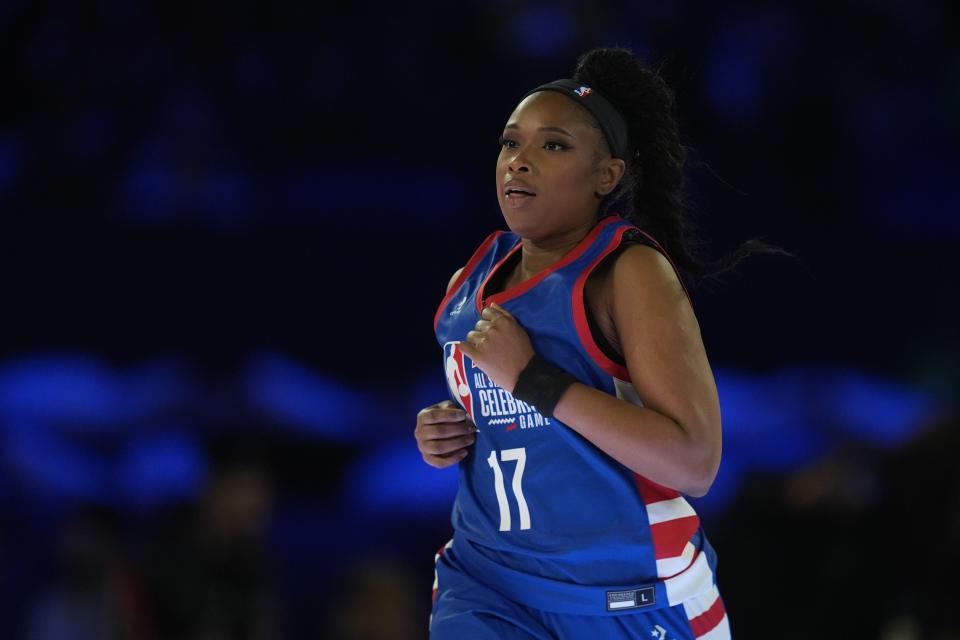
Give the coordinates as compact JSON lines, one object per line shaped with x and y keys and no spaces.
{"x":701,"y":604}
{"x":694,"y":581}
{"x":667,"y":567}
{"x":669,"y":510}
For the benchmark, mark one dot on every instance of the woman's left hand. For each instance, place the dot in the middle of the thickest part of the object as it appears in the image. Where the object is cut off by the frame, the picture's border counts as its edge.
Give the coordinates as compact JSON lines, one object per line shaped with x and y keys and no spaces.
{"x":499,"y":346}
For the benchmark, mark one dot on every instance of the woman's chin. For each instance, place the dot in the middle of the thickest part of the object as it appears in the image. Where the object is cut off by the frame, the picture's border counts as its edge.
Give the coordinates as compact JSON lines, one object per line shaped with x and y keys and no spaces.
{"x":521,"y":225}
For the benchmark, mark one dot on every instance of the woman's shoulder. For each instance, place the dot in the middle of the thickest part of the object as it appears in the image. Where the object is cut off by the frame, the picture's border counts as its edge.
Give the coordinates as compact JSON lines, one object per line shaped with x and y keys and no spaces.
{"x":641,"y":261}
{"x":496,"y":242}
{"x":454,"y":277}
{"x":644,"y":282}
{"x":638,"y":275}
{"x":638,"y":248}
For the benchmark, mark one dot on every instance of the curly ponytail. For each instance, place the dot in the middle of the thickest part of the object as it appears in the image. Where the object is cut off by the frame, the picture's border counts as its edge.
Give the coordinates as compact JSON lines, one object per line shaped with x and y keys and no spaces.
{"x":652,"y":192}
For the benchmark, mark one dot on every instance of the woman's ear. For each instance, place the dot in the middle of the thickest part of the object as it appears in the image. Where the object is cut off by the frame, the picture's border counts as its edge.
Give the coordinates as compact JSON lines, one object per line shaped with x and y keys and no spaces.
{"x":610,"y":174}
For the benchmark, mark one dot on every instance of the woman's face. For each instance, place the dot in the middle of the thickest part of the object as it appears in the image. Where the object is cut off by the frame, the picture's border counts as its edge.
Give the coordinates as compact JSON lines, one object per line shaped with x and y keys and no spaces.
{"x":549,"y":168}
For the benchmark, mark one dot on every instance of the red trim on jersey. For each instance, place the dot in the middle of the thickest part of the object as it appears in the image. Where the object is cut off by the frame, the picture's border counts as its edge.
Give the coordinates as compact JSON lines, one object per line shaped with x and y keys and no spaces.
{"x":467,"y":270}
{"x":496,"y":267}
{"x":670,"y":537}
{"x":709,"y":619}
{"x":580,"y":314}
{"x":433,"y":597}
{"x":652,"y":492}
{"x":526,"y":285}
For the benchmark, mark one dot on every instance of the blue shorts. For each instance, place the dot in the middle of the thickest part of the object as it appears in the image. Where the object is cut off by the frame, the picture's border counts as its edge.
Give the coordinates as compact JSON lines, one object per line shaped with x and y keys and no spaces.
{"x":464,"y":608}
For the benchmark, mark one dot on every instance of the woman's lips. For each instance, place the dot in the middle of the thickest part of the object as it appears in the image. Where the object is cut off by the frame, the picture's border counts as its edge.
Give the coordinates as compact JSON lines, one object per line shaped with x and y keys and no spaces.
{"x":516,"y":199}
{"x":513,"y":186}
{"x":517,"y":193}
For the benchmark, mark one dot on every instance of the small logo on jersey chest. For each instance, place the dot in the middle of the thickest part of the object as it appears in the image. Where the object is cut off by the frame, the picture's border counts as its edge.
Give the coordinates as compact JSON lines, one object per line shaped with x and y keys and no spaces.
{"x":632,"y":599}
{"x":459,"y":306}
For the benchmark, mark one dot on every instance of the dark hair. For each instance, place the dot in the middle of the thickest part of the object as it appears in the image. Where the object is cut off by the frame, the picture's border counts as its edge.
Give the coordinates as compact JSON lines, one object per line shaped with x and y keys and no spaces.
{"x":652,"y":192}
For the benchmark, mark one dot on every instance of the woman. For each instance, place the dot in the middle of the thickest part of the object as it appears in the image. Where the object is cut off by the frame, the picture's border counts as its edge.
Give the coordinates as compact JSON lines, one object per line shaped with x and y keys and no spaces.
{"x":585,"y":405}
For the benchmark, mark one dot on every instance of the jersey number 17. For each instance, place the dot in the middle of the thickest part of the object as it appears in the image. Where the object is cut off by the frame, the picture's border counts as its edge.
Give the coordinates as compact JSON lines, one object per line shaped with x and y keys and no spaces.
{"x":520,"y":456}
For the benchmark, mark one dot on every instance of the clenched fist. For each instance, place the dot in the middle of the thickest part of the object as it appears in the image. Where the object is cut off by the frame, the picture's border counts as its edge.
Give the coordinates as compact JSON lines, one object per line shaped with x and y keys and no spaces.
{"x":499,"y":346}
{"x":444,"y":434}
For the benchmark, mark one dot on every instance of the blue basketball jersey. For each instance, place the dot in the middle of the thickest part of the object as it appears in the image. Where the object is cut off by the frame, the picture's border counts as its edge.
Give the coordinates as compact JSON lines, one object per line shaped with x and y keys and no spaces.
{"x":541,"y":514}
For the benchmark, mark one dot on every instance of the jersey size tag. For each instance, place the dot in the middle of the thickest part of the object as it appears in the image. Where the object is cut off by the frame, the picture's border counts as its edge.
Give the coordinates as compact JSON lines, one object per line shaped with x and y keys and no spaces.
{"x":632,"y":599}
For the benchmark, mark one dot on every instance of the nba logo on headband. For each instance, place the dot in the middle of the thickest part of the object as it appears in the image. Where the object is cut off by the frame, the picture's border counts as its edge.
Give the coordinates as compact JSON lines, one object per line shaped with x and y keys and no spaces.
{"x":609,"y":118}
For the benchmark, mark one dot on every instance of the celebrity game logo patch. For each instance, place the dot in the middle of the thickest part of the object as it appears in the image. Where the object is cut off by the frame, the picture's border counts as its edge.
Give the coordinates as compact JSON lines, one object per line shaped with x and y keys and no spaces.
{"x":484,"y":401}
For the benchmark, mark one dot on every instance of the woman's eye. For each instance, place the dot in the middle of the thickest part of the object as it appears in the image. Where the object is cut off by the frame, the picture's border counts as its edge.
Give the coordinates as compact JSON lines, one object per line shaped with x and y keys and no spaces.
{"x":555,"y":146}
{"x":507,"y":143}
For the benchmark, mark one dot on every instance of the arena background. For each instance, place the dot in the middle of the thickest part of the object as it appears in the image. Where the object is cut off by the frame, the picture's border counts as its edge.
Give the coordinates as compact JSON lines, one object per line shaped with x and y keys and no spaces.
{"x":226,"y":227}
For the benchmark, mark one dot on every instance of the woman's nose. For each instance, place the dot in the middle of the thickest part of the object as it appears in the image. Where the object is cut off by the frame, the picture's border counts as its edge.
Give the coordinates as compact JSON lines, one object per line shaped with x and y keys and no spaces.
{"x":519,"y":163}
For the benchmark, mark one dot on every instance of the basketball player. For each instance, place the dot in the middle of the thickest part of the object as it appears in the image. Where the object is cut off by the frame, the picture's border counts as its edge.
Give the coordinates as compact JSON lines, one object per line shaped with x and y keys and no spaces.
{"x":584,"y":404}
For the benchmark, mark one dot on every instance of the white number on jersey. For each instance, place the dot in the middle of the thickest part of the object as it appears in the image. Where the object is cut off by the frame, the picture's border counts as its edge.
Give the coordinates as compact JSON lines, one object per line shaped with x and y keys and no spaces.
{"x":520,"y":456}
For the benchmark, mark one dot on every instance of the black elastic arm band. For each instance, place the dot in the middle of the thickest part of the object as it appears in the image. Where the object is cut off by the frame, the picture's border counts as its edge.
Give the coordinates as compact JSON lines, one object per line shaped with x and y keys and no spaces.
{"x":542,"y":385}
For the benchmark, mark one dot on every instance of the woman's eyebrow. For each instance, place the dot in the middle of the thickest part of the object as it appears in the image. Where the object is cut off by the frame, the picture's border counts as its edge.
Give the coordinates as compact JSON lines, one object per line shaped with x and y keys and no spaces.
{"x":553,"y":129}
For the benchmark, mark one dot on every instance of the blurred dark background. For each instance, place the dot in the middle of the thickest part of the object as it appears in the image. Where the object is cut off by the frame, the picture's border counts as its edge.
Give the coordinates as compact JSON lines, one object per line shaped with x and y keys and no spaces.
{"x":226,"y":227}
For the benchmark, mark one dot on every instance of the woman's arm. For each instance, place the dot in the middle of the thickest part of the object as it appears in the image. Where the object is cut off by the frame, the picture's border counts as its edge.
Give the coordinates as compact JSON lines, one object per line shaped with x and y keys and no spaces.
{"x":673,"y":440}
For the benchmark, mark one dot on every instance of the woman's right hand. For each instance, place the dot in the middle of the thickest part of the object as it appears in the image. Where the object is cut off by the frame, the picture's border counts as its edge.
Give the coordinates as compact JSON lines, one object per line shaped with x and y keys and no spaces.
{"x":444,"y":434}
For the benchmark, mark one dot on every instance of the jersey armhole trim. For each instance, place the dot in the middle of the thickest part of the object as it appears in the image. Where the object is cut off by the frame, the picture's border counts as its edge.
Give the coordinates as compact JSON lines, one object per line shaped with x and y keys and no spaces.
{"x":467,"y":270}
{"x":580,"y":321}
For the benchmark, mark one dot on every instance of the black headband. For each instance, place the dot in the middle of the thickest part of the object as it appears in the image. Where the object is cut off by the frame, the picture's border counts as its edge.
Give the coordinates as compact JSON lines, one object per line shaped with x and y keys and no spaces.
{"x":611,"y":121}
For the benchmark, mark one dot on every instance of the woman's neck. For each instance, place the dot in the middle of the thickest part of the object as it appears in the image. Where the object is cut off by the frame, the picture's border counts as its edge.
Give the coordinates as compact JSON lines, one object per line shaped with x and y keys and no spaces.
{"x":540,"y":254}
